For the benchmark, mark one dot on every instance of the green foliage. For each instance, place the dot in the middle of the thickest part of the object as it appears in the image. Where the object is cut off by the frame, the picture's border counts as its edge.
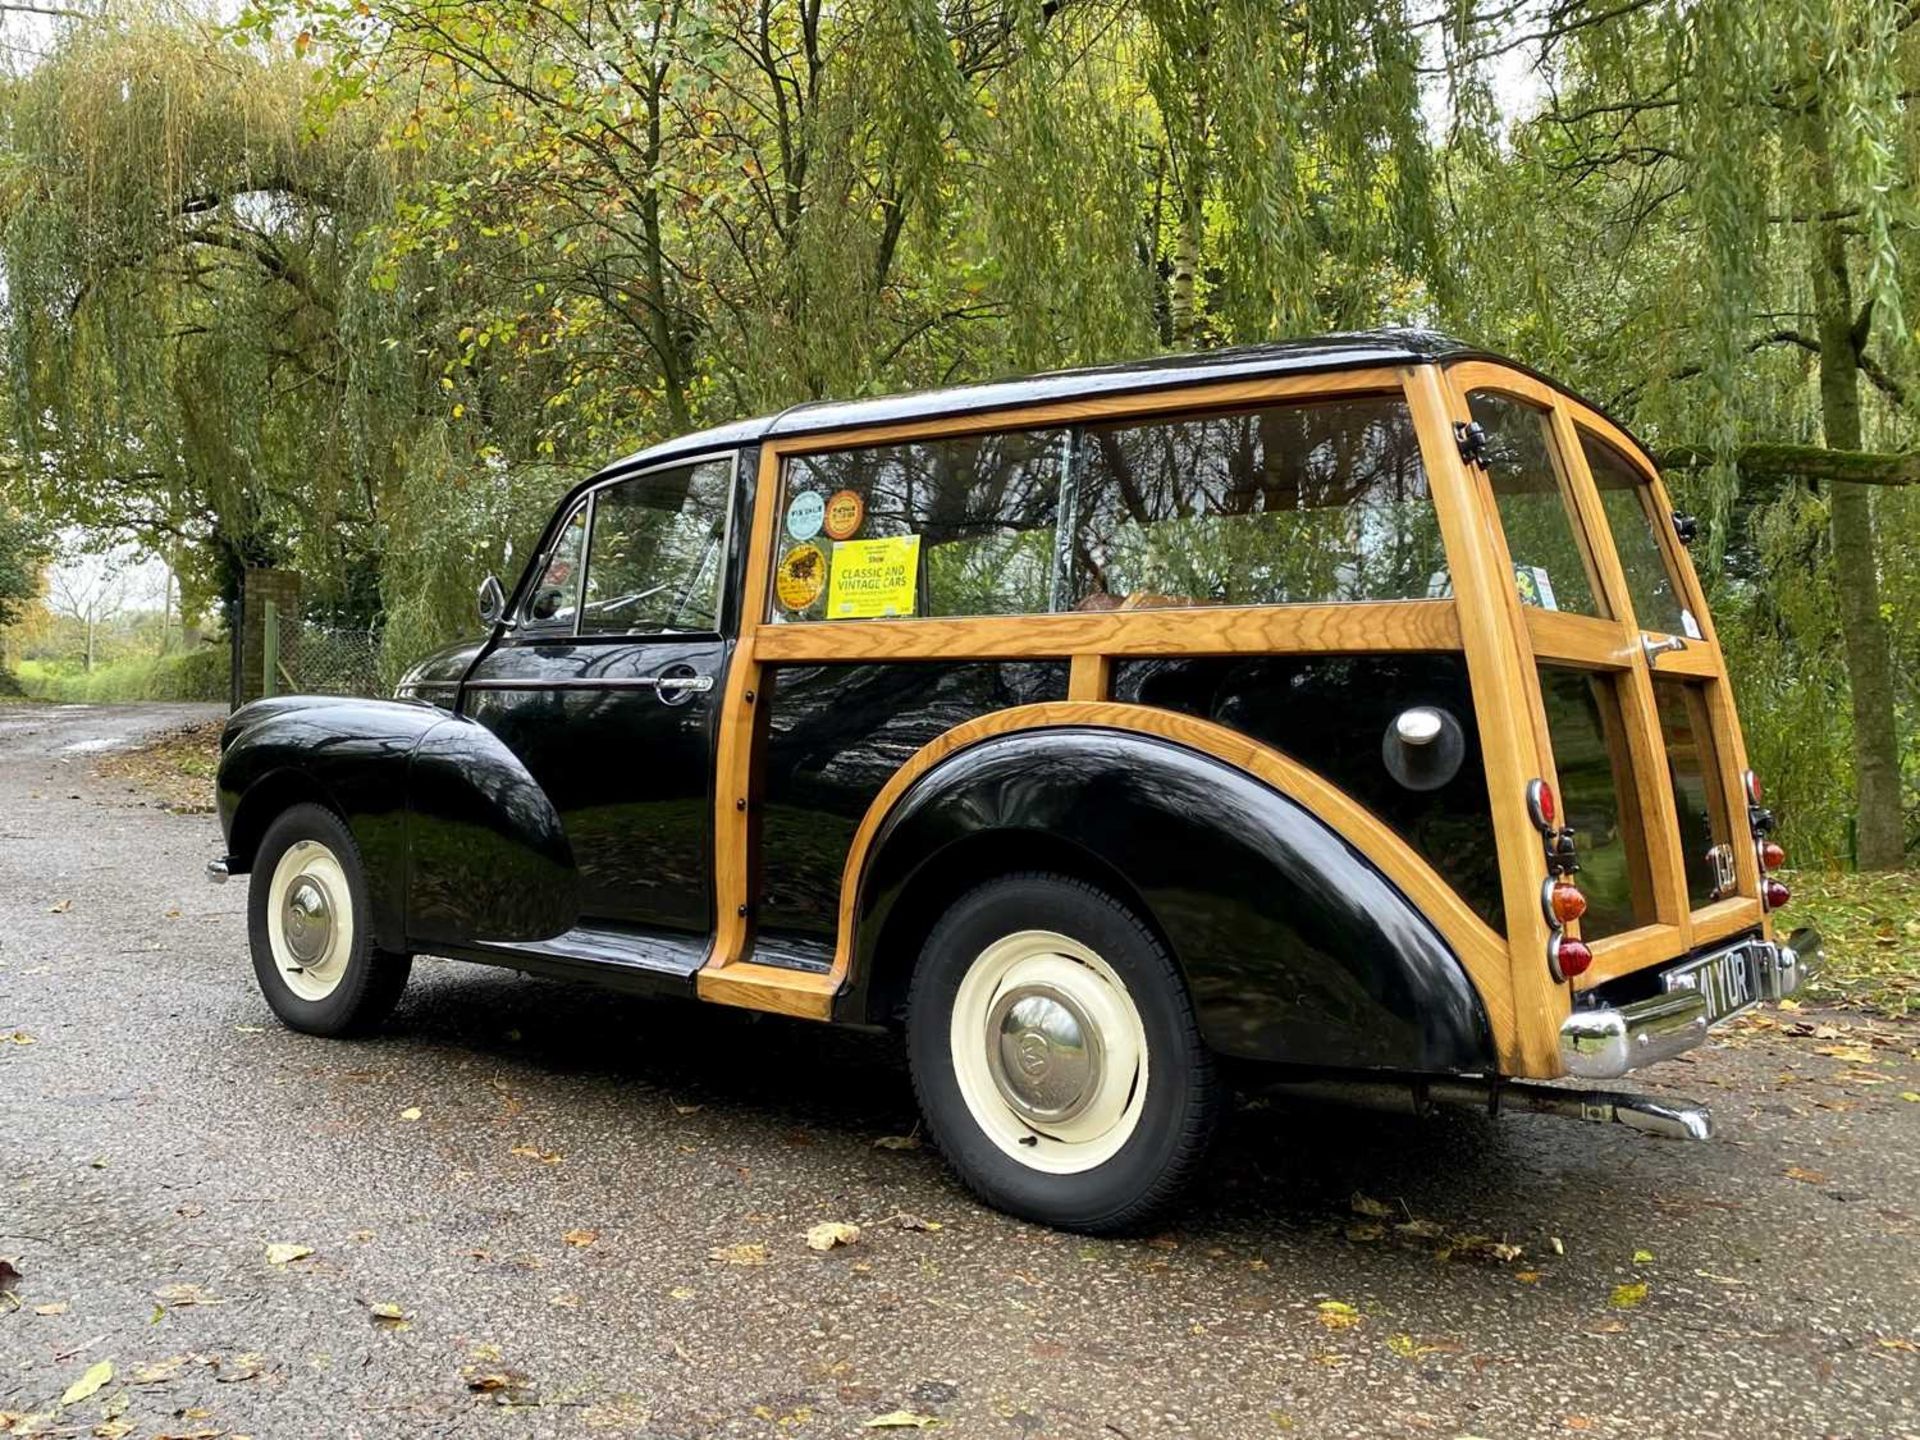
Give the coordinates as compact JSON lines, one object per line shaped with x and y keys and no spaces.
{"x":200,"y":674}
{"x":25,"y":546}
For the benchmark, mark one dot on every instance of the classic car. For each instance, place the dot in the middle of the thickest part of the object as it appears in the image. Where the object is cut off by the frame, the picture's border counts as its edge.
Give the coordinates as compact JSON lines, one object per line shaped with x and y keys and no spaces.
{"x":1345,"y":712}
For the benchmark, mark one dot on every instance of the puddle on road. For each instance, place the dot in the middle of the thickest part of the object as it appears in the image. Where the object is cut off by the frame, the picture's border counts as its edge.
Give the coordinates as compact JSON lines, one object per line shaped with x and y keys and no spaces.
{"x":88,"y":747}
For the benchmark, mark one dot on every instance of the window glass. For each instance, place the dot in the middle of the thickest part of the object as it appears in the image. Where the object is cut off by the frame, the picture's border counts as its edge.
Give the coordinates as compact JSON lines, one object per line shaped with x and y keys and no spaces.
{"x":1627,"y":499}
{"x":654,"y":562}
{"x":555,"y":598}
{"x":962,"y":525}
{"x":1697,"y":796}
{"x":1597,"y":798}
{"x":1289,"y":504}
{"x":1550,"y":563}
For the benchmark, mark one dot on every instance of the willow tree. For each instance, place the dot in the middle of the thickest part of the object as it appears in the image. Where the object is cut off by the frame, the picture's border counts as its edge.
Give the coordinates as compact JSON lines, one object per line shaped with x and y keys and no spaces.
{"x":1709,"y":221}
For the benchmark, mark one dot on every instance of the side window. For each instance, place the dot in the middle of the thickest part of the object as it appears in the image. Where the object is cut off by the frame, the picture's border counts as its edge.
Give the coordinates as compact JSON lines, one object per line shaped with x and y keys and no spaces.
{"x":1597,"y":794}
{"x":1627,"y":499}
{"x":554,"y":600}
{"x":654,"y":563}
{"x":956,"y":526}
{"x":1551,"y":565}
{"x":1286,"y":505}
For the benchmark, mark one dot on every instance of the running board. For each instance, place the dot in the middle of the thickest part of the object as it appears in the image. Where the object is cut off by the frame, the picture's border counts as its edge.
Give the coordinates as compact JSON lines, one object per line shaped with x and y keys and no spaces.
{"x":1418,"y":1095}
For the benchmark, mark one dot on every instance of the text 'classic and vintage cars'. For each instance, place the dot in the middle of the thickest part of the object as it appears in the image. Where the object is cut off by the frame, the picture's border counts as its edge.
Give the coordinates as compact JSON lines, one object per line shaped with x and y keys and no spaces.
{"x":1344,"y":713}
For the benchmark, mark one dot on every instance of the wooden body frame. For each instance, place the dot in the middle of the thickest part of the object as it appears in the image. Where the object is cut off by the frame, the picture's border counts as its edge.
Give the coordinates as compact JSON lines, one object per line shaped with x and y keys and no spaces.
{"x":1500,"y":639}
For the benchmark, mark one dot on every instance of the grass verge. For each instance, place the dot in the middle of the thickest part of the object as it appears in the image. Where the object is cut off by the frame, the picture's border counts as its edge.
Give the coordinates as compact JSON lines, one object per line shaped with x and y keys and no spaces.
{"x":1870,"y":929}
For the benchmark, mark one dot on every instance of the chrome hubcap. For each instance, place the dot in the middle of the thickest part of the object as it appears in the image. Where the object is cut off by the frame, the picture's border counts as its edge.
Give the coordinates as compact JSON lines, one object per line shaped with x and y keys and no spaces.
{"x":307,"y":918}
{"x":1044,"y":1052}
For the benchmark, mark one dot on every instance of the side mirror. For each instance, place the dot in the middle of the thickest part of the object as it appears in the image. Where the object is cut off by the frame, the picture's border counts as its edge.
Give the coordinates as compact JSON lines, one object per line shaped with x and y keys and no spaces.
{"x":493,"y":602}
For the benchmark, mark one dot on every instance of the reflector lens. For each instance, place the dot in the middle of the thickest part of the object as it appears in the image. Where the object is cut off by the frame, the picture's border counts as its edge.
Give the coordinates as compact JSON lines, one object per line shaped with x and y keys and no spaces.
{"x":1540,"y":803}
{"x":1776,"y":894}
{"x":1772,"y":857}
{"x":1568,"y":903}
{"x":1753,"y":787}
{"x":1574,"y":958}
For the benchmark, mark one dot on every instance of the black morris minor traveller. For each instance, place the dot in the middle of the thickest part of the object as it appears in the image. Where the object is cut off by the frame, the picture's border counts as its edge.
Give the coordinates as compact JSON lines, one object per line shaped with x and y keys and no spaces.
{"x":1346,"y":706}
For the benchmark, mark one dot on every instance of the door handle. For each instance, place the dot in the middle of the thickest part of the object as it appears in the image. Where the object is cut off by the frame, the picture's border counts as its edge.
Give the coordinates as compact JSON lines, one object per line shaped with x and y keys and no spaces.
{"x":679,"y":684}
{"x":1656,"y":648}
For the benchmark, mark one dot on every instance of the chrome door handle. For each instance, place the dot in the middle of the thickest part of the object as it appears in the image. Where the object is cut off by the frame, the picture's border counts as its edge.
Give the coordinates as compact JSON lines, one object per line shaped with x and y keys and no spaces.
{"x":1656,"y":648}
{"x":680,"y":684}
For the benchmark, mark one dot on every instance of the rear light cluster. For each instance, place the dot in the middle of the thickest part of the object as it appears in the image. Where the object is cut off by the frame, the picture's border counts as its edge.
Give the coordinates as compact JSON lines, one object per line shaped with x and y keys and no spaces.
{"x":1766,"y":849}
{"x":1560,"y":899}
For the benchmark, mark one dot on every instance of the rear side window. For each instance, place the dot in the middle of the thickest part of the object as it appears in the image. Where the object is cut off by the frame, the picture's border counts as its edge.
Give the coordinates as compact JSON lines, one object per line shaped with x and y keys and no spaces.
{"x":1290,"y":504}
{"x":1591,"y":760}
{"x":1699,"y":805}
{"x":1627,"y":499}
{"x":964,"y":525}
{"x":1551,"y":567}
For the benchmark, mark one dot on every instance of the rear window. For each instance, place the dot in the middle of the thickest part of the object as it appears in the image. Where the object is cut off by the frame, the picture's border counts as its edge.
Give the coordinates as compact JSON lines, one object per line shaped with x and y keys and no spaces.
{"x":1291,"y":504}
{"x":1627,"y":499}
{"x":1698,"y":802}
{"x":1551,"y":567}
{"x":1597,"y":797}
{"x":1288,"y":504}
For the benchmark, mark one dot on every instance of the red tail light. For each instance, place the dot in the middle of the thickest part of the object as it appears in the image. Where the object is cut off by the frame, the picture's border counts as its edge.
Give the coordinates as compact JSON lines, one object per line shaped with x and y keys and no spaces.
{"x":1751,"y":782}
{"x":1540,"y":803}
{"x":1568,"y":957}
{"x":1772,"y":857}
{"x":1775,"y":894}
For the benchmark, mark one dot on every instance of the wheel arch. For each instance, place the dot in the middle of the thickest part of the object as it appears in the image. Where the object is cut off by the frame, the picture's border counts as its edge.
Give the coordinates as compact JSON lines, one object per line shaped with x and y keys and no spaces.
{"x":1294,"y":943}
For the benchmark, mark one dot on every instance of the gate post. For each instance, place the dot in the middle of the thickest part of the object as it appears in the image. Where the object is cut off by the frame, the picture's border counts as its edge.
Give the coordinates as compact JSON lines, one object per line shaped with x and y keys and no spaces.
{"x":269,"y":603}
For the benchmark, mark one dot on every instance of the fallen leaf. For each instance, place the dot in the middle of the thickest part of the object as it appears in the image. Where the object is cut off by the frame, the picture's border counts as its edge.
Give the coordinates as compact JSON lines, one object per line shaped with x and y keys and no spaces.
{"x":581,"y":1237}
{"x":830,"y":1234}
{"x":1911,"y":1095}
{"x":160,"y":1372}
{"x":388,"y":1316}
{"x":1643,"y":1257}
{"x":180,"y":1296}
{"x":908,"y":1221}
{"x":1625,"y":1297}
{"x":238,"y":1367}
{"x":566,"y":1301}
{"x":87,"y":1384}
{"x":898,"y":1142}
{"x":60,"y":907}
{"x":502,"y":1383}
{"x":1338,"y":1315}
{"x":59,"y":1307}
{"x":1810,"y":1177}
{"x":534,"y":1152}
{"x":412,"y":1112}
{"x":743,"y":1254}
{"x":683,"y":1292}
{"x":1527,"y":1277}
{"x":284,"y":1252}
{"x":1376,"y":1209}
{"x":901,"y":1420}
{"x":1363,"y":1230}
{"x":1420,"y":1229}
{"x":20,"y":1037}
{"x":9,"y":1272}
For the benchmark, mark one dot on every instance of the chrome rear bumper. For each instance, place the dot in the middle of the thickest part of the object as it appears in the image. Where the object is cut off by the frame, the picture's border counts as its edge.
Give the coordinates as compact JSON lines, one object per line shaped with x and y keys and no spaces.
{"x":1605,"y":1042}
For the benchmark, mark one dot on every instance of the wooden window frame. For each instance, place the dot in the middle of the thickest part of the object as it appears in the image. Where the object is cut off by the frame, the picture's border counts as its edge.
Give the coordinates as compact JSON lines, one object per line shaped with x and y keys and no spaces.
{"x":1483,"y":620}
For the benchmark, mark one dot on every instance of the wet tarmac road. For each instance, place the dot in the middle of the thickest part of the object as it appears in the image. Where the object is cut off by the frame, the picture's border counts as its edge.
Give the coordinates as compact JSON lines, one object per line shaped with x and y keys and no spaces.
{"x":535,"y":1180}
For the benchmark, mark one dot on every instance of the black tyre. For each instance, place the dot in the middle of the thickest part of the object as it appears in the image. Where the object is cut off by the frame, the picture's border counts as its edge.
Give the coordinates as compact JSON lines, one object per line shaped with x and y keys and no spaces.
{"x":310,"y":929}
{"x":1056,"y":1055}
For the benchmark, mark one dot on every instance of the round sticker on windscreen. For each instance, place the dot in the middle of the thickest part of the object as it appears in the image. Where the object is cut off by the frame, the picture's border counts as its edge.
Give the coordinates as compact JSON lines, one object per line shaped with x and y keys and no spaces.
{"x":804,"y":514}
{"x":801,"y":578}
{"x":845,"y":512}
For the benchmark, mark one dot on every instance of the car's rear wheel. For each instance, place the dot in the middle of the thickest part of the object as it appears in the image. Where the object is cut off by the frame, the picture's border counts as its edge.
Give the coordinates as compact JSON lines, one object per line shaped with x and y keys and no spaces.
{"x":1056,"y":1055}
{"x":308,"y":925}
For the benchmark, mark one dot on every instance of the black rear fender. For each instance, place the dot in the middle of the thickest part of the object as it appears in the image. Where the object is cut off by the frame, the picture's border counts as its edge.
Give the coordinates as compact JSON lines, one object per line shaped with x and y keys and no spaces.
{"x":1295,"y":947}
{"x":458,"y":841}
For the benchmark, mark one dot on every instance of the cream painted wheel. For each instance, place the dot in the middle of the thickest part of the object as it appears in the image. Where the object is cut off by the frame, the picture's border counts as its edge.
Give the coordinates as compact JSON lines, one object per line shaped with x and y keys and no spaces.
{"x":1049,"y":1052}
{"x":310,"y":920}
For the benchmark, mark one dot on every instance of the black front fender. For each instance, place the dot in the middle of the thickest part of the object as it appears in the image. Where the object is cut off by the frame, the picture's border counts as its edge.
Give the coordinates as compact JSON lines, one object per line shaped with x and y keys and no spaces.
{"x":458,"y":841}
{"x":1295,"y":947}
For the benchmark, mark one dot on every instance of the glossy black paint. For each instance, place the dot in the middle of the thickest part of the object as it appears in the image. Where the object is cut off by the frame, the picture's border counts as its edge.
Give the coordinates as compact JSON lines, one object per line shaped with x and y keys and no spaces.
{"x":628,"y":768}
{"x":454,"y":835}
{"x":436,"y":679}
{"x":835,"y":735}
{"x":1332,"y":713}
{"x":1296,"y":948}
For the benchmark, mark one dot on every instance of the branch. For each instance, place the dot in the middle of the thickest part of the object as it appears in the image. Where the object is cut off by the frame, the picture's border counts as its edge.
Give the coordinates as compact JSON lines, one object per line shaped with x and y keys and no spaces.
{"x":1806,"y":462}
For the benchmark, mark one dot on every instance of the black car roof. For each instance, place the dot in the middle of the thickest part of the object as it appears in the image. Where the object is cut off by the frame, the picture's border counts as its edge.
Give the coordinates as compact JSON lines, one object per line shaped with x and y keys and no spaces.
{"x":1353,"y":351}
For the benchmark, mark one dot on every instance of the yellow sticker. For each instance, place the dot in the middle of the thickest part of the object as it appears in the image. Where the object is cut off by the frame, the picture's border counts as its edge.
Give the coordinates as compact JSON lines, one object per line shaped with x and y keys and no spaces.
{"x":845,"y":513}
{"x":874,"y":577}
{"x":802,"y":576}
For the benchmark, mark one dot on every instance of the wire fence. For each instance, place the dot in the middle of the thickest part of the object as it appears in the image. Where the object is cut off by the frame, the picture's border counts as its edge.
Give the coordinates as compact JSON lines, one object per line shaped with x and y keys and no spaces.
{"x":306,"y":658}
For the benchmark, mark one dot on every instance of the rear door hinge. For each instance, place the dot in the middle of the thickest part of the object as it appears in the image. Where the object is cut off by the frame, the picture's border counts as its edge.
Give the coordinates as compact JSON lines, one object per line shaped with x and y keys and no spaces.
{"x":1471,"y":437}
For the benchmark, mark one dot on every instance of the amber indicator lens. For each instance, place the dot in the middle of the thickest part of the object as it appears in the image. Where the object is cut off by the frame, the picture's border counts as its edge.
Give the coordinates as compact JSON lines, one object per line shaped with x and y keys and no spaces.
{"x":1776,"y":894}
{"x":1568,"y":903}
{"x":1772,"y":857}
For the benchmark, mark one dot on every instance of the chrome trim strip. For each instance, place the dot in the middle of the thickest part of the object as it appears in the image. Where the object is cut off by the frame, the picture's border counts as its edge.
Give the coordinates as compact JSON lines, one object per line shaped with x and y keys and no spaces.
{"x":619,"y":682}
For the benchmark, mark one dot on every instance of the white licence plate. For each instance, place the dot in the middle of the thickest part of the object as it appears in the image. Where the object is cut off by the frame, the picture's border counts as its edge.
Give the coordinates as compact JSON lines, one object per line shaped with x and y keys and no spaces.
{"x":1730,"y":980}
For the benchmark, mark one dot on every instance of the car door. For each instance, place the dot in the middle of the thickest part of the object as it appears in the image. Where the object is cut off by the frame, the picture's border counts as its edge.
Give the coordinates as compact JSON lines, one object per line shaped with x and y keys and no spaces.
{"x":606,"y":688}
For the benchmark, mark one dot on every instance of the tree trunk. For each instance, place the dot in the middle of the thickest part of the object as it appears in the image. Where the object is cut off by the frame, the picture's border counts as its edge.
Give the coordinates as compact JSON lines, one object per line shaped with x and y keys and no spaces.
{"x":1876,"y":751}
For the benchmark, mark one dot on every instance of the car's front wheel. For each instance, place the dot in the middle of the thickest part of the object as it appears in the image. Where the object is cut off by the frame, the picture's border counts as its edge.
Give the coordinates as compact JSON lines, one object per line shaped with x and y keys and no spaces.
{"x":1057,"y":1057}
{"x":307,"y":923}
